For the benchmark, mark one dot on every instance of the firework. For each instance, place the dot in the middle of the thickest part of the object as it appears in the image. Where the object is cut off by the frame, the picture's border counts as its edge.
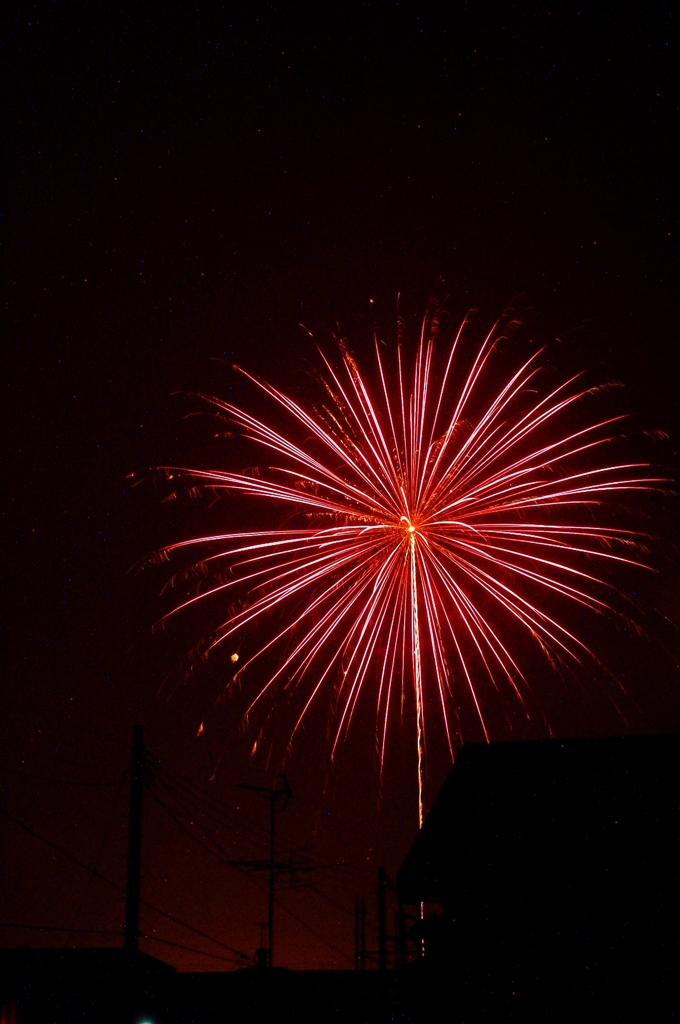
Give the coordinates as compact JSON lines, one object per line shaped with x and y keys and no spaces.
{"x":430,"y":519}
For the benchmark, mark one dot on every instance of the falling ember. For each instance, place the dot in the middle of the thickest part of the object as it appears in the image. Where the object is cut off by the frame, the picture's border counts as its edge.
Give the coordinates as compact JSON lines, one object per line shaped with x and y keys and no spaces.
{"x":436,"y":522}
{"x":200,"y":729}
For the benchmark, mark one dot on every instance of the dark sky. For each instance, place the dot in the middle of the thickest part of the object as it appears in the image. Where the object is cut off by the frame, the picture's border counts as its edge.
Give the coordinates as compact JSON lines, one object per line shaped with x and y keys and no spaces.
{"x":181,"y":190}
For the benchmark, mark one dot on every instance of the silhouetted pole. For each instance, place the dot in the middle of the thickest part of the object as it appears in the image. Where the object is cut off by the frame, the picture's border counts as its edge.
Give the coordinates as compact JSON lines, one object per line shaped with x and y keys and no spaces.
{"x":272,"y":795}
{"x":272,"y":805}
{"x":356,"y":933}
{"x":382,"y":932}
{"x":402,"y":937}
{"x":134,"y":842}
{"x":363,"y":933}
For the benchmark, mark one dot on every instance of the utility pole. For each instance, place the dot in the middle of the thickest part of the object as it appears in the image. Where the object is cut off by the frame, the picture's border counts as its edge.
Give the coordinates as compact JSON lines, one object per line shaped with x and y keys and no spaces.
{"x":272,"y":817}
{"x":134,"y":842}
{"x":382,"y":931}
{"x":363,"y":933}
{"x":359,"y":933}
{"x":402,"y":936}
{"x":272,"y":795}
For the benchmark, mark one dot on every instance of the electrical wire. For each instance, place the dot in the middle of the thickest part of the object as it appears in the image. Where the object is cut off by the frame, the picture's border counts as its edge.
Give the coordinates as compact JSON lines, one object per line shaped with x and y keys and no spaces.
{"x":193,"y":811}
{"x":192,"y":814}
{"x":99,"y":854}
{"x":329,"y":899}
{"x":212,"y":808}
{"x":217,"y":804}
{"x":282,"y":906}
{"x":150,"y":906}
{"x":60,"y":928}
{"x":69,"y":763}
{"x":118,"y":933}
{"x":47,"y":725}
{"x":191,"y":949}
{"x":57,"y":782}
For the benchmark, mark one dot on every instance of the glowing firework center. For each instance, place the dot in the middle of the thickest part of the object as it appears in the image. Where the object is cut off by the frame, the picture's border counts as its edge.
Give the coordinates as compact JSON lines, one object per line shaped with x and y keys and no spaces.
{"x":497,"y":505}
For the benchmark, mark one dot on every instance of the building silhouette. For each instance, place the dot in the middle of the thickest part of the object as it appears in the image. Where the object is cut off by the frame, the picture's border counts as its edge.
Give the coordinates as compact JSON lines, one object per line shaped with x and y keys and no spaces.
{"x":548,"y":872}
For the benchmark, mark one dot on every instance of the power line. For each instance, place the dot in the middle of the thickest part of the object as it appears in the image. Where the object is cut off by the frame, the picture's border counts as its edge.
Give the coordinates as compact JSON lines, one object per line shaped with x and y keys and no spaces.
{"x":59,"y":928}
{"x":99,"y":854}
{"x":118,"y":933}
{"x":56,"y":782}
{"x":214,"y":799}
{"x":218,"y":805}
{"x":224,"y":816}
{"x":218,"y":853}
{"x":194,"y":812}
{"x":40,"y":753}
{"x":222,"y":853}
{"x":69,"y":856}
{"x":305,"y":924}
{"x":329,"y":899}
{"x":191,"y":949}
{"x":47,"y":714}
{"x":212,"y":808}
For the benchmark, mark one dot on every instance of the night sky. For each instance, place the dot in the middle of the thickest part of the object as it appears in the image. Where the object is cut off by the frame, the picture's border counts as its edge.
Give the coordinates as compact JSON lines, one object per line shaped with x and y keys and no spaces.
{"x":181,"y":191}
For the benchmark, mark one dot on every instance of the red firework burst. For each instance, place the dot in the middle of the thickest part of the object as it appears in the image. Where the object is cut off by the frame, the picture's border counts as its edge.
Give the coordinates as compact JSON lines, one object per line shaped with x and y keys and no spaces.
{"x":427,"y":523}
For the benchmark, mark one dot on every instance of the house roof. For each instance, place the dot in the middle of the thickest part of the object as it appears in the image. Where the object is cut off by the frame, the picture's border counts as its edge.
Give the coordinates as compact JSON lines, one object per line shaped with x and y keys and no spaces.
{"x":524,"y":805}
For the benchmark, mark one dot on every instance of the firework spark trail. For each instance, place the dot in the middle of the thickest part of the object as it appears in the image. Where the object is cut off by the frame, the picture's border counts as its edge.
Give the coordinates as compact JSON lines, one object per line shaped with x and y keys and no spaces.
{"x":417,"y":674}
{"x":424,"y":525}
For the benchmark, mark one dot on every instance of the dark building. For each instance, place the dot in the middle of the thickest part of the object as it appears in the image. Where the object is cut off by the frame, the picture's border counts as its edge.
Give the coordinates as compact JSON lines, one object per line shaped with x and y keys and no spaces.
{"x":111,"y":986}
{"x":549,"y":875}
{"x":107,"y":986}
{"x":555,"y":868}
